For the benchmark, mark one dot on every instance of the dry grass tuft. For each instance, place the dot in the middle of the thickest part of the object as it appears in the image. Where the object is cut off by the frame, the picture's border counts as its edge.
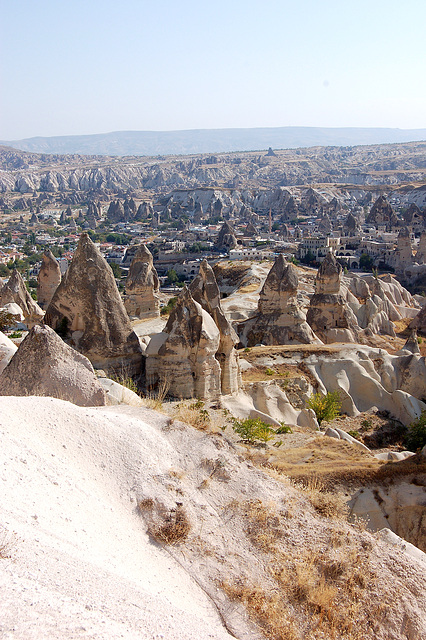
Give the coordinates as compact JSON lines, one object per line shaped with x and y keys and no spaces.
{"x":174,"y":528}
{"x":145,"y":504}
{"x":7,"y":543}
{"x":326,"y":503}
{"x":154,"y":399}
{"x":268,"y":609}
{"x":316,"y":592}
{"x":193,"y":413}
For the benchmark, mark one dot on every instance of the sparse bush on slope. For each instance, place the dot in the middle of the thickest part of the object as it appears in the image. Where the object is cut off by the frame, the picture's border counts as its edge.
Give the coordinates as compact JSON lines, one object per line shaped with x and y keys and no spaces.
{"x":326,"y":407}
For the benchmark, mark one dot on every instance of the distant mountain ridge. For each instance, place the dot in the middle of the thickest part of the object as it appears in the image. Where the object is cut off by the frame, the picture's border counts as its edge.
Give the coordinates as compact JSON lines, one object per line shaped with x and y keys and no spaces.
{"x":154,"y":143}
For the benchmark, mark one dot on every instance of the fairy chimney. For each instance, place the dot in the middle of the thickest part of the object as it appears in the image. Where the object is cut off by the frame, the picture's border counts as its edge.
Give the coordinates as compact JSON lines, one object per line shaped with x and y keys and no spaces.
{"x":89,"y":314}
{"x":48,"y":279}
{"x":205,"y":291}
{"x":142,"y":285}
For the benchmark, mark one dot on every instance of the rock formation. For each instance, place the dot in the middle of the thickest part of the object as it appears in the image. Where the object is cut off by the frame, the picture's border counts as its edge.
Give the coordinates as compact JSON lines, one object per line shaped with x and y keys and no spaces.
{"x":142,"y":286}
{"x":419,"y":322}
{"x":15,"y":291}
{"x":226,"y":239}
{"x":414,"y":217}
{"x":351,"y":226}
{"x":45,"y":366}
{"x":48,"y":280}
{"x":402,"y":257}
{"x":88,"y":312}
{"x":411,"y":345}
{"x":280,"y":320}
{"x":115,"y":212}
{"x":381,"y":213}
{"x":290,"y":210}
{"x":420,"y":257}
{"x":205,"y":291}
{"x":328,"y":315}
{"x":7,"y":350}
{"x":183,"y":355}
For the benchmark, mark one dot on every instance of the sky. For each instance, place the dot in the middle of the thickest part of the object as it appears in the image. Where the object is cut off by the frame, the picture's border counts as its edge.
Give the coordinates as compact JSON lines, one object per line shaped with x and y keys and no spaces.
{"x":94,"y":66}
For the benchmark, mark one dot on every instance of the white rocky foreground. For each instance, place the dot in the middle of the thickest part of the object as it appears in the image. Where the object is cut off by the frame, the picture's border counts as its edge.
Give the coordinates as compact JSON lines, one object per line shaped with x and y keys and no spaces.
{"x":82,"y":564}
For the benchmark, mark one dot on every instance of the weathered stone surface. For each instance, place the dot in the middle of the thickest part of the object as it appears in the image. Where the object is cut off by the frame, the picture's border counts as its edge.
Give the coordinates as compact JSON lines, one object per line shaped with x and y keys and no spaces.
{"x":48,"y":280}
{"x":142,"y":286}
{"x":419,"y":322}
{"x":226,"y":239}
{"x":382,"y":213}
{"x":7,"y":350}
{"x":328,"y":315}
{"x":421,"y":249}
{"x":280,"y":320}
{"x":90,"y":314}
{"x":15,"y":291}
{"x":45,"y":366}
{"x":412,"y":345}
{"x":183,"y":355}
{"x":205,"y":291}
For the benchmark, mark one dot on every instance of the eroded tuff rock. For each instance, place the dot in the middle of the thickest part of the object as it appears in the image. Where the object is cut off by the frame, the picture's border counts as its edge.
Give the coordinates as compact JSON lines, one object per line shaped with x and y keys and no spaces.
{"x":7,"y":350}
{"x":382,"y":213}
{"x":205,"y":291}
{"x":45,"y":366}
{"x":280,"y":320}
{"x":328,"y":315}
{"x":419,"y":322}
{"x":15,"y":291}
{"x":420,"y":257}
{"x":142,"y":285}
{"x":89,"y":313}
{"x":183,"y":355}
{"x":48,"y":279}
{"x":226,"y":239}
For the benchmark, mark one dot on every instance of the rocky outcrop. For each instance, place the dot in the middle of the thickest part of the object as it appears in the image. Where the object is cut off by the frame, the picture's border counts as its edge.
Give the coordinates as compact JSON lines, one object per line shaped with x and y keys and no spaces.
{"x":7,"y":350}
{"x":183,"y":355}
{"x":205,"y":291}
{"x":15,"y":291}
{"x":351,"y":226}
{"x":420,"y":257}
{"x":328,"y":315}
{"x":142,"y":286}
{"x":419,"y":322}
{"x":411,"y":345}
{"x":88,"y":312}
{"x":280,"y":320}
{"x":226,"y":239}
{"x":45,"y":366}
{"x":115,"y":212}
{"x":48,"y":280}
{"x":381,"y":213}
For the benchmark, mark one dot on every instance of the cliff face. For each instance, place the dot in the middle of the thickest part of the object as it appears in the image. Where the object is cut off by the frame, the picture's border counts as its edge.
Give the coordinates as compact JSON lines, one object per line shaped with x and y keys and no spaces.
{"x":24,"y":172}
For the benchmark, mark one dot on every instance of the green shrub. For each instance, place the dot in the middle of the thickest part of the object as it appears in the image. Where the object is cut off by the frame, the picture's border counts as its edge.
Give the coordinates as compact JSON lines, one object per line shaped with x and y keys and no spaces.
{"x":354,"y":434}
{"x":325,"y":407}
{"x":284,"y":428}
{"x":269,"y":371}
{"x":416,"y":436}
{"x":167,"y":309}
{"x":252,"y":429}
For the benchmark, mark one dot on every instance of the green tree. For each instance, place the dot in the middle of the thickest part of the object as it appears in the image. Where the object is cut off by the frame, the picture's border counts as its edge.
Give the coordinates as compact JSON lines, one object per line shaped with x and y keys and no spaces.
{"x":326,"y":407}
{"x":172,"y":276}
{"x":116,"y":269}
{"x":416,"y":436}
{"x":366,"y":262}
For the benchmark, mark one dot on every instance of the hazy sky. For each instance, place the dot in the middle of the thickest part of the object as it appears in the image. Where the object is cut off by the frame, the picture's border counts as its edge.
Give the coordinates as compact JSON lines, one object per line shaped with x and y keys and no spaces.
{"x":94,"y":66}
